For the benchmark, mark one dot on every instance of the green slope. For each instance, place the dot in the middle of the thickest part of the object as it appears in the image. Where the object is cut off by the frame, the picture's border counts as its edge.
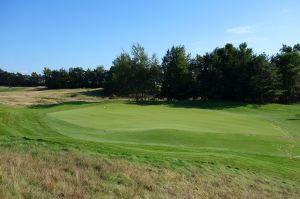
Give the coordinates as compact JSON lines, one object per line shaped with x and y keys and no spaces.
{"x":242,"y":129}
{"x":260,"y":138}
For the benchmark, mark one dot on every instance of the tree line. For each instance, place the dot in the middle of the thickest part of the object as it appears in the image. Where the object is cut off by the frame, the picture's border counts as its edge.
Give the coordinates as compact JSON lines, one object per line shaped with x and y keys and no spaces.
{"x":74,"y":78}
{"x":227,"y":73}
{"x":18,"y":79}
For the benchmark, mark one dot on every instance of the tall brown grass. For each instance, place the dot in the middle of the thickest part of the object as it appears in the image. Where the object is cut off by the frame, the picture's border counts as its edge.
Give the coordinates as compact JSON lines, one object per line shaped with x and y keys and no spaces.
{"x":40,"y":173}
{"x":39,"y":96}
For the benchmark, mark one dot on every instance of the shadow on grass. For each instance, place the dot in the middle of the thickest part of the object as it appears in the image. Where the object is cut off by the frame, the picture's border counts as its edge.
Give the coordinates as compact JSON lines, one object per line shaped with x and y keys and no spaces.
{"x":297,"y":117}
{"x":94,"y":93}
{"x":213,"y":105}
{"x":43,"y":106}
{"x":38,"y":88}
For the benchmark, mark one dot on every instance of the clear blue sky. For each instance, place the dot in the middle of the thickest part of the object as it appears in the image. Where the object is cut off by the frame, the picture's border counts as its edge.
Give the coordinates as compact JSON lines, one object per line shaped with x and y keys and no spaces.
{"x":86,"y":33}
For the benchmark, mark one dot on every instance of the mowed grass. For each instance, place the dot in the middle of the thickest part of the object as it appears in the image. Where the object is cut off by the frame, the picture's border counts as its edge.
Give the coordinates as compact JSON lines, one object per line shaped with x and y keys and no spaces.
{"x":240,"y":129}
{"x":217,"y":149}
{"x":120,"y":117}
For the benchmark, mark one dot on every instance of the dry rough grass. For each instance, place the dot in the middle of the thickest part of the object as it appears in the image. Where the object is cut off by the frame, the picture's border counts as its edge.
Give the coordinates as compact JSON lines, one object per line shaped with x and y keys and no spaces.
{"x":40,"y":95}
{"x":70,"y":174}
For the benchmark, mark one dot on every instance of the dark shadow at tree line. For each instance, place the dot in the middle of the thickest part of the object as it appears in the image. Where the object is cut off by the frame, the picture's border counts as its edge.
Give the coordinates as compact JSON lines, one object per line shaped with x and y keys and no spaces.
{"x":213,"y":105}
{"x":297,"y":117}
{"x":43,"y":106}
{"x":38,"y":88}
{"x":94,"y":93}
{"x":201,"y":104}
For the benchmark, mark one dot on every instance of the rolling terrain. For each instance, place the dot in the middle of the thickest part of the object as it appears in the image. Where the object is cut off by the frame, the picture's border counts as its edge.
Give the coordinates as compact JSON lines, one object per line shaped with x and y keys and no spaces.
{"x":187,"y":149}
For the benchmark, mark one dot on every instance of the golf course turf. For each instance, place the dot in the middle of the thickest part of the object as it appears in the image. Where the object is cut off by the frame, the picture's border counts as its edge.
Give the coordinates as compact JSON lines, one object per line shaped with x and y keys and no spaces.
{"x":263,"y":140}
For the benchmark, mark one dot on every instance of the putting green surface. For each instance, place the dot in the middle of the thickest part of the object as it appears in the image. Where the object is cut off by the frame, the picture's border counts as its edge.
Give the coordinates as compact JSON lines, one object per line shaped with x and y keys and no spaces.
{"x":120,"y":117}
{"x":256,"y":130}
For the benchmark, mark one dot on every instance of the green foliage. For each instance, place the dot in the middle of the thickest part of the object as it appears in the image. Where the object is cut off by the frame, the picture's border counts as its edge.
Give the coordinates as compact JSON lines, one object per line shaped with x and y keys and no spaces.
{"x":18,"y":79}
{"x":264,"y":82}
{"x":74,"y":78}
{"x":175,"y":68}
{"x":137,"y":76}
{"x":288,"y":62}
